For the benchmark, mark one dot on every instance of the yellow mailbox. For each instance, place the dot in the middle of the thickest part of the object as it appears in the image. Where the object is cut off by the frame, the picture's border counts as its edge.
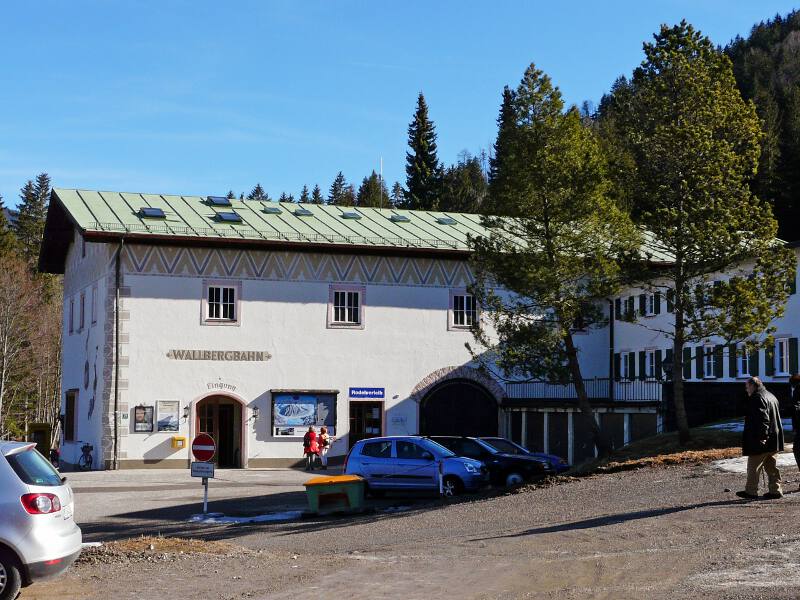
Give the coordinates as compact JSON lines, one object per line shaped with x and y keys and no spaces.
{"x":178,"y":442}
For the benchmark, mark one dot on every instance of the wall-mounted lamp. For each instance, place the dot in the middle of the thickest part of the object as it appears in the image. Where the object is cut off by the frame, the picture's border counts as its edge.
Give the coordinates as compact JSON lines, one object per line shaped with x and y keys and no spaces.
{"x":186,"y":412}
{"x":256,"y":413}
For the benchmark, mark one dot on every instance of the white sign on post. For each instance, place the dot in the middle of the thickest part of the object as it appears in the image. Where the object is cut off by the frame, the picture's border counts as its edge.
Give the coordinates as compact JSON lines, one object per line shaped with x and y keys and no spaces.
{"x":203,"y":469}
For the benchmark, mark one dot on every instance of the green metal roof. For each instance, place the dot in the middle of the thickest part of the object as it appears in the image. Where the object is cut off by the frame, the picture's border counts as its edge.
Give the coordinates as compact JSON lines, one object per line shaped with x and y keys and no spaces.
{"x":117,"y":213}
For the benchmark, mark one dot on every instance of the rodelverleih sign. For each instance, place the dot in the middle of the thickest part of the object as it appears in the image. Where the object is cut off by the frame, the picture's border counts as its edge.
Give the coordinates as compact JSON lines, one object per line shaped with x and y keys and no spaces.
{"x":367,"y":393}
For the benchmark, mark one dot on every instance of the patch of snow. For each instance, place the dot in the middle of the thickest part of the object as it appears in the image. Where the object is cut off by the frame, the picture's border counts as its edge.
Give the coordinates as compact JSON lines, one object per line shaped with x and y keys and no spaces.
{"x":220,"y":519}
{"x":738,"y":425}
{"x":91,"y":544}
{"x":739,"y":464}
{"x":394,"y":509}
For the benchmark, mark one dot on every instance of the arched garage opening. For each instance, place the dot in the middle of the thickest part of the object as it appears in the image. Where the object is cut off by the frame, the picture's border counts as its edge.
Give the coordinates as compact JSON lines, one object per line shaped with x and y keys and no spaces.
{"x":458,"y":407}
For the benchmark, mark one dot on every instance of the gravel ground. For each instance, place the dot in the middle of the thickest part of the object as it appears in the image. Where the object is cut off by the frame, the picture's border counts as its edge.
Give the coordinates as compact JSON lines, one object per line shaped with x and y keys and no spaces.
{"x":655,"y":533}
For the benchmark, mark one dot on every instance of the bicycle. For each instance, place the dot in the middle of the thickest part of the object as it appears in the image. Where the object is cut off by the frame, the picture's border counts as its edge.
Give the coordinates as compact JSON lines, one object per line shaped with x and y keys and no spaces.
{"x":86,"y":459}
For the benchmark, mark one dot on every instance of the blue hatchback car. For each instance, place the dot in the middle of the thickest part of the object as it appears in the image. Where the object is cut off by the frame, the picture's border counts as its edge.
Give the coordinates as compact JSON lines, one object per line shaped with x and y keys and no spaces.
{"x":413,"y":463}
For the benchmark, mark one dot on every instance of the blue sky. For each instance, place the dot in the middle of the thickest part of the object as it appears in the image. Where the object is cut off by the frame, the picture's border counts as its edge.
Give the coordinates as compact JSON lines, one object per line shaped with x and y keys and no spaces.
{"x":200,"y":97}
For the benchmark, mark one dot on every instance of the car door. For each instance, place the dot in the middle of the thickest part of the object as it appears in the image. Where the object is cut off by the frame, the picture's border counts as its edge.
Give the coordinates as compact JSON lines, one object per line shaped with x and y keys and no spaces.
{"x":415,"y":467}
{"x":377,"y":463}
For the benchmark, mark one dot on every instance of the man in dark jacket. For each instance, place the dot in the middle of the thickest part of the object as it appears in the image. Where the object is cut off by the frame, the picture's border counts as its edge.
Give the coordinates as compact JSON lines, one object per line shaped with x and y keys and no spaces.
{"x":762,"y":440}
{"x":794,"y":386}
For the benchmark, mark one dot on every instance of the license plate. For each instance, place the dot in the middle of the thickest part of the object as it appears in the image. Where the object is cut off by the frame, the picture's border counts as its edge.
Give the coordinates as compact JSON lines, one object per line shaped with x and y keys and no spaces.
{"x":67,"y":512}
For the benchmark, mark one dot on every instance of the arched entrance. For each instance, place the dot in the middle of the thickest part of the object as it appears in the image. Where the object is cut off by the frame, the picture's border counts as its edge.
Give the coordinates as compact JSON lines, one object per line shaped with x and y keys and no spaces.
{"x":222,"y":417}
{"x":458,"y":407}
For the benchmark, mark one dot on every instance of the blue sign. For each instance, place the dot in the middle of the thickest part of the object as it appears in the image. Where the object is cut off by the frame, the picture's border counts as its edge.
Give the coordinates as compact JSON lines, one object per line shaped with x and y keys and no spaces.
{"x":361,"y":392}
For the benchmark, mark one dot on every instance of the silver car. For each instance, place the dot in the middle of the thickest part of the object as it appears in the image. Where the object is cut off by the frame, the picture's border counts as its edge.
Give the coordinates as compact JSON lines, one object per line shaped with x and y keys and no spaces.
{"x":413,"y":463}
{"x":38,"y":536}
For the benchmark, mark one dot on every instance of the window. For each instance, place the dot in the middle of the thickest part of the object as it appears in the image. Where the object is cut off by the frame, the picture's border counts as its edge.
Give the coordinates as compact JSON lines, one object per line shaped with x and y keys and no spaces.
{"x":649,"y":305}
{"x":708,"y":361}
{"x":71,"y":315}
{"x":69,"y":415}
{"x":742,"y":361}
{"x":346,"y":306}
{"x":650,"y":364}
{"x":624,"y":366}
{"x":82,"y":312}
{"x":782,"y":356}
{"x":94,"y":304}
{"x":464,"y":312}
{"x":412,"y":451}
{"x":32,"y":468}
{"x":377,"y":449}
{"x":221,"y":303}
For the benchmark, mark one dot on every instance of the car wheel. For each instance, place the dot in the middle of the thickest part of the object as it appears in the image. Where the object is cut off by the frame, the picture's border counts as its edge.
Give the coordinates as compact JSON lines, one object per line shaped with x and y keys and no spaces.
{"x":10,"y":578}
{"x":514,"y":479}
{"x":451,"y":486}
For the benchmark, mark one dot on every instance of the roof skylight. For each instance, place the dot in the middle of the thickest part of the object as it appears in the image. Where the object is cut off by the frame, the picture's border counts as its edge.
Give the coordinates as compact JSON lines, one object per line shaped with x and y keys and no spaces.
{"x":218,"y":201}
{"x":446,"y":220}
{"x":148,"y":212}
{"x":350,"y":214}
{"x":399,"y":219}
{"x":229,"y":217}
{"x":301,"y":211}
{"x":272,"y":210}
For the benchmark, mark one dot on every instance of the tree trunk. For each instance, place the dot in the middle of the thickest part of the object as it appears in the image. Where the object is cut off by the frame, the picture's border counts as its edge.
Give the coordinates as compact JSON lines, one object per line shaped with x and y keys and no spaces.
{"x":677,"y":379}
{"x":600,"y":439}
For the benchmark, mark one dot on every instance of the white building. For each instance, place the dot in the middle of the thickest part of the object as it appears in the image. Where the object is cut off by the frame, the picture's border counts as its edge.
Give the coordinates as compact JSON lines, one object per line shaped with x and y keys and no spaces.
{"x":251,"y":320}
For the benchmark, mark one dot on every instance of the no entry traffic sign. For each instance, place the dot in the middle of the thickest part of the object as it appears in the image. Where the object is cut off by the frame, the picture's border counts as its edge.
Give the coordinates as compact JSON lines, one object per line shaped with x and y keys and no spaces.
{"x":203,"y":447}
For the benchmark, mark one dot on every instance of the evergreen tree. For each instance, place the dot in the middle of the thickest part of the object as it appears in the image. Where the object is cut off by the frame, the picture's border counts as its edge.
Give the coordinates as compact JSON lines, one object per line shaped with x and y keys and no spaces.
{"x":695,"y":144}
{"x":304,"y":197}
{"x":398,"y":196}
{"x":284,"y":197}
{"x":348,"y":196}
{"x":230,"y":195}
{"x":552,"y":179}
{"x":373,"y":192}
{"x":8,"y":241}
{"x":35,"y":198}
{"x":464,"y":186}
{"x":423,"y":172}
{"x":336,"y":192}
{"x":258,"y":193}
{"x":505,"y":125}
{"x":316,"y":195}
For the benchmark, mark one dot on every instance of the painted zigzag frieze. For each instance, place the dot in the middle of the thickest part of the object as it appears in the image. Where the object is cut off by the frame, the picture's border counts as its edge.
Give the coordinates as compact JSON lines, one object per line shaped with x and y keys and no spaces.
{"x":295,"y":266}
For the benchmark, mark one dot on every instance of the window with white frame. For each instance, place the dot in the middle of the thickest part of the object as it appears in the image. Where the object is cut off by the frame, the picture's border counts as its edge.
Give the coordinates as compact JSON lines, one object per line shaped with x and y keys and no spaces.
{"x":71,"y":315}
{"x":463,"y":310}
{"x":624,"y":366}
{"x":221,"y":303}
{"x":782,"y":356}
{"x":82,"y":312}
{"x":742,"y":361}
{"x":93,"y":308}
{"x":346,"y":306}
{"x":708,"y":361}
{"x":649,"y":305}
{"x":650,"y":364}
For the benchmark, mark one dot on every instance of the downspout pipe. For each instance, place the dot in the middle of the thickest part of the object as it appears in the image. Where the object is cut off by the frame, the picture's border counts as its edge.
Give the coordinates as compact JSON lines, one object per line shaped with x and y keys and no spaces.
{"x":117,"y":280}
{"x":611,"y":374}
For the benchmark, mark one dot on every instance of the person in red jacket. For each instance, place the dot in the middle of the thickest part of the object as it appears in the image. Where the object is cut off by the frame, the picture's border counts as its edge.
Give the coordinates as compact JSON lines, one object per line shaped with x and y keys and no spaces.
{"x":310,"y":448}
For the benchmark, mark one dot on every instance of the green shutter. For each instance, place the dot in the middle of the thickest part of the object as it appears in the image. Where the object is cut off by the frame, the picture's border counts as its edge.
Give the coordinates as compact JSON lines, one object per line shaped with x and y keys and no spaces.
{"x":793,"y":366}
{"x":631,"y":365}
{"x":718,"y":362}
{"x":642,"y":362}
{"x":657,"y":303}
{"x":618,"y":309}
{"x":698,"y":360}
{"x":616,"y":366}
{"x":754,"y":363}
{"x":732,"y":368}
{"x":687,"y":363}
{"x":642,"y":304}
{"x":793,"y":283}
{"x":668,"y":358}
{"x":670,"y":300}
{"x":659,"y":372}
{"x":769,"y":361}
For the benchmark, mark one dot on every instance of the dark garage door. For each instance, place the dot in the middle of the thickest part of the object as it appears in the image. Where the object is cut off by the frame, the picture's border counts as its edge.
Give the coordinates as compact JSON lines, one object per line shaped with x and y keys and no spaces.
{"x":458,"y":408}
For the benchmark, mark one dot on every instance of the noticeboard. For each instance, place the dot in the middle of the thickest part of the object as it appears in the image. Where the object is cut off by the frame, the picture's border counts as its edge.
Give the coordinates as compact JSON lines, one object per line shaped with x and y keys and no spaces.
{"x":203,"y":469}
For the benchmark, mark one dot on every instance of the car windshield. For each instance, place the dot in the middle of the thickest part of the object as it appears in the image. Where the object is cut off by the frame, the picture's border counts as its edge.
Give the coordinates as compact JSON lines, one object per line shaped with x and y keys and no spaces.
{"x":504,"y":446}
{"x":438,"y":450}
{"x":32,"y":468}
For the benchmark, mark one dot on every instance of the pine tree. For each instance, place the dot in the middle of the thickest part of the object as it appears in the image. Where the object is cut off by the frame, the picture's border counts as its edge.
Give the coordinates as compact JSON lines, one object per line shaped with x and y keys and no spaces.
{"x":32,"y":214}
{"x":316,"y":195}
{"x":348,"y":196}
{"x":284,"y":197}
{"x":464,"y":186}
{"x":230,"y":195}
{"x":398,"y":196}
{"x":258,"y":193}
{"x":304,"y":197}
{"x":505,"y":124}
{"x":423,"y":172}
{"x":552,"y":179}
{"x":337,"y":189}
{"x":373,"y":192}
{"x":696,"y":143}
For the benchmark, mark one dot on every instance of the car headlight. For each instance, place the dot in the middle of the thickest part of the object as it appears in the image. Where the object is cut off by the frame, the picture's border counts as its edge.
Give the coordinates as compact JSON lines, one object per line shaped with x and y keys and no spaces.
{"x":470,"y":468}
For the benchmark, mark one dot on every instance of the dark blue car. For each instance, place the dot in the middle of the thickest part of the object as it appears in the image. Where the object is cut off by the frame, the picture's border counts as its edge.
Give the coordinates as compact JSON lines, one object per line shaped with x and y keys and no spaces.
{"x":508,"y":447}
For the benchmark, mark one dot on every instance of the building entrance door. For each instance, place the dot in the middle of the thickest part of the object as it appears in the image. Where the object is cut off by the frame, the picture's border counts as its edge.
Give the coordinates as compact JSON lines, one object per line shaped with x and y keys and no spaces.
{"x":366,"y":420}
{"x":221,"y":418}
